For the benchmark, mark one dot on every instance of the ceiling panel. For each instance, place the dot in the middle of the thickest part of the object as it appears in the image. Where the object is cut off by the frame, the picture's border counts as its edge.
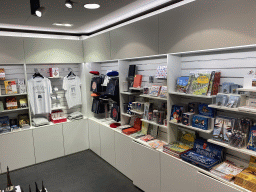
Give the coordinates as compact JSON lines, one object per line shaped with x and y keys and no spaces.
{"x":16,"y":14}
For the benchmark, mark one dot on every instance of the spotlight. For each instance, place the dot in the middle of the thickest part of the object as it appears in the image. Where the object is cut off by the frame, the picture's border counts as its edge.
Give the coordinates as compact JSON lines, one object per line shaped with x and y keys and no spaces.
{"x":40,"y":11}
{"x":69,"y":4}
{"x":91,"y":6}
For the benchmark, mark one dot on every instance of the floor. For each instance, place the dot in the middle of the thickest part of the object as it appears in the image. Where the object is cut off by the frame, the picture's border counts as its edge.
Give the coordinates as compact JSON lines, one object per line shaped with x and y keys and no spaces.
{"x":83,"y":172}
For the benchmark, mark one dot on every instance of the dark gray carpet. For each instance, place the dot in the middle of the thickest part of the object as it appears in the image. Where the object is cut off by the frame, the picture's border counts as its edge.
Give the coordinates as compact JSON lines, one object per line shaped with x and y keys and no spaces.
{"x":80,"y":172}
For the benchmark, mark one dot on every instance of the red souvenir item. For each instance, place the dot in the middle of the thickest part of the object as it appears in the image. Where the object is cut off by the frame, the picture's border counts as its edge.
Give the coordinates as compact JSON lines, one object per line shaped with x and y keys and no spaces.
{"x":94,"y":72}
{"x":114,"y":125}
{"x":137,"y":81}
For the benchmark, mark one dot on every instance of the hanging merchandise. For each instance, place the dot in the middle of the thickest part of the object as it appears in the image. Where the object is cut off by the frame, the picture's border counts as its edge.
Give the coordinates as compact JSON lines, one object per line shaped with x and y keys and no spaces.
{"x":115,"y":112}
{"x":96,"y":84}
{"x":39,"y":89}
{"x":112,"y":89}
{"x":98,"y":106}
{"x":71,"y":85}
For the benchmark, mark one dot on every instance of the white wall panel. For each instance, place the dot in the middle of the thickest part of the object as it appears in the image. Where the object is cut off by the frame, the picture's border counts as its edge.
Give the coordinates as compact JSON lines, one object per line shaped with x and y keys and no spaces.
{"x":48,"y":142}
{"x":135,"y":40}
{"x":11,"y":50}
{"x":16,"y":150}
{"x":97,"y":48}
{"x":76,"y":136}
{"x":107,"y":144}
{"x":94,"y":136}
{"x":53,"y":51}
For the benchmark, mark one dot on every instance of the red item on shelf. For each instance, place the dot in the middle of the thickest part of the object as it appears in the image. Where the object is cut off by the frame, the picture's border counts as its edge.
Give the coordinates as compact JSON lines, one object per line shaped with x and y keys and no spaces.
{"x":130,"y":131}
{"x":216,"y":83}
{"x":114,"y":125}
{"x":137,"y":81}
{"x":59,"y":121}
{"x":94,"y":72}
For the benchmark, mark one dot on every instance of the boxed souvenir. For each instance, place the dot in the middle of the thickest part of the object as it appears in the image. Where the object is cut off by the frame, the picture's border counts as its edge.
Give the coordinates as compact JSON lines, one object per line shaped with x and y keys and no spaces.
{"x":161,"y":72}
{"x":157,"y":144}
{"x":4,"y":124}
{"x":203,"y":109}
{"x":137,"y":81}
{"x":146,"y":138}
{"x":146,"y":90}
{"x":11,"y":103}
{"x":202,"y":122}
{"x":146,"y":110}
{"x":204,"y":154}
{"x":176,"y":113}
{"x":153,"y":130}
{"x":14,"y":123}
{"x":187,"y":118}
{"x":200,"y":83}
{"x":226,"y":170}
{"x":222,"y":128}
{"x":216,"y":83}
{"x":233,"y":101}
{"x":144,"y":128}
{"x":226,"y":87}
{"x":252,"y":139}
{"x":23,"y":103}
{"x":10,"y":87}
{"x":23,"y":120}
{"x":184,"y":143}
{"x":163,"y":92}
{"x":1,"y":106}
{"x":209,"y":91}
{"x":181,"y":85}
{"x":193,"y":107}
{"x":2,"y":74}
{"x":54,"y":72}
{"x":58,"y":116}
{"x":221,"y":99}
{"x":234,"y":87}
{"x":154,"y":90}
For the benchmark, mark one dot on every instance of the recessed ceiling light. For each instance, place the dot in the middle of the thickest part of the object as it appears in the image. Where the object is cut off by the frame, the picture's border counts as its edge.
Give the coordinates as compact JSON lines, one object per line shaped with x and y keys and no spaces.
{"x":63,"y":24}
{"x":91,"y":6}
{"x":40,"y":11}
{"x":69,"y":4}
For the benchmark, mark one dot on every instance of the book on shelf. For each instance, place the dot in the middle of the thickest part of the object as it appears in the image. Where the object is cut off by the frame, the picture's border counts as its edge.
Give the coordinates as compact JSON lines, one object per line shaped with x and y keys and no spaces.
{"x":137,"y":81}
{"x":11,"y":103}
{"x":2,"y":74}
{"x":10,"y":87}
{"x":157,"y":144}
{"x":198,"y":82}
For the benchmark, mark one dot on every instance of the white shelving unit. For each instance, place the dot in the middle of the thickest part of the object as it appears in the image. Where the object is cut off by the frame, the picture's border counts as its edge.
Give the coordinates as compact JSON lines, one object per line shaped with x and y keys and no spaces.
{"x":151,"y":97}
{"x":12,"y":95}
{"x":192,"y":128}
{"x":13,"y":110}
{"x":137,"y":112}
{"x":154,"y":123}
{"x":126,"y":114}
{"x":191,"y":95}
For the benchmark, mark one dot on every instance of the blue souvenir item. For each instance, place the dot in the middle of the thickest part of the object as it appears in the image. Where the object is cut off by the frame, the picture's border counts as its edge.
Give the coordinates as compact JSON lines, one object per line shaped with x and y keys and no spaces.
{"x":4,"y":124}
{"x":252,"y":139}
{"x":182,"y":83}
{"x":201,"y":122}
{"x":204,"y":154}
{"x":112,"y":73}
{"x":205,"y":110}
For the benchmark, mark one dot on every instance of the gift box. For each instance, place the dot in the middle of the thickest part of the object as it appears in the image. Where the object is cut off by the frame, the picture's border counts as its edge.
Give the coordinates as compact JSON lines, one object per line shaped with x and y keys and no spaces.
{"x":187,"y":119}
{"x":202,"y":122}
{"x":204,"y":110}
{"x":204,"y":154}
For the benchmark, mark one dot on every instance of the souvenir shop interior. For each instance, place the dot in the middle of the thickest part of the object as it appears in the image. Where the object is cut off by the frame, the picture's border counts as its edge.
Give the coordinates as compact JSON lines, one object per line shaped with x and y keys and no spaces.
{"x":167,"y":99}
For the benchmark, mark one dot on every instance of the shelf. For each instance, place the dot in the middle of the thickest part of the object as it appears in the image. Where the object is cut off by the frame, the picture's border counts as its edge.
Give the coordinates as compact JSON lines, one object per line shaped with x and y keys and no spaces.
{"x":193,"y":128}
{"x":129,"y":93}
{"x":250,"y":89}
{"x":151,"y":97}
{"x":60,"y":77}
{"x":137,"y":112}
{"x":127,"y":115}
{"x":18,"y":94}
{"x":137,"y":89}
{"x":57,"y":108}
{"x":241,"y":150}
{"x":239,"y":110}
{"x":154,"y":123}
{"x":13,"y":110}
{"x":191,"y":95}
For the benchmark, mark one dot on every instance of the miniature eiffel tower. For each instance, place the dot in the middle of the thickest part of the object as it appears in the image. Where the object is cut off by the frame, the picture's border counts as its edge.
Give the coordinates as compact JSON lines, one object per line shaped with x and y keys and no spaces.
{"x":10,"y":187}
{"x":250,"y":143}
{"x":29,"y":188}
{"x":21,"y":189}
{"x":37,"y":190}
{"x":43,"y":188}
